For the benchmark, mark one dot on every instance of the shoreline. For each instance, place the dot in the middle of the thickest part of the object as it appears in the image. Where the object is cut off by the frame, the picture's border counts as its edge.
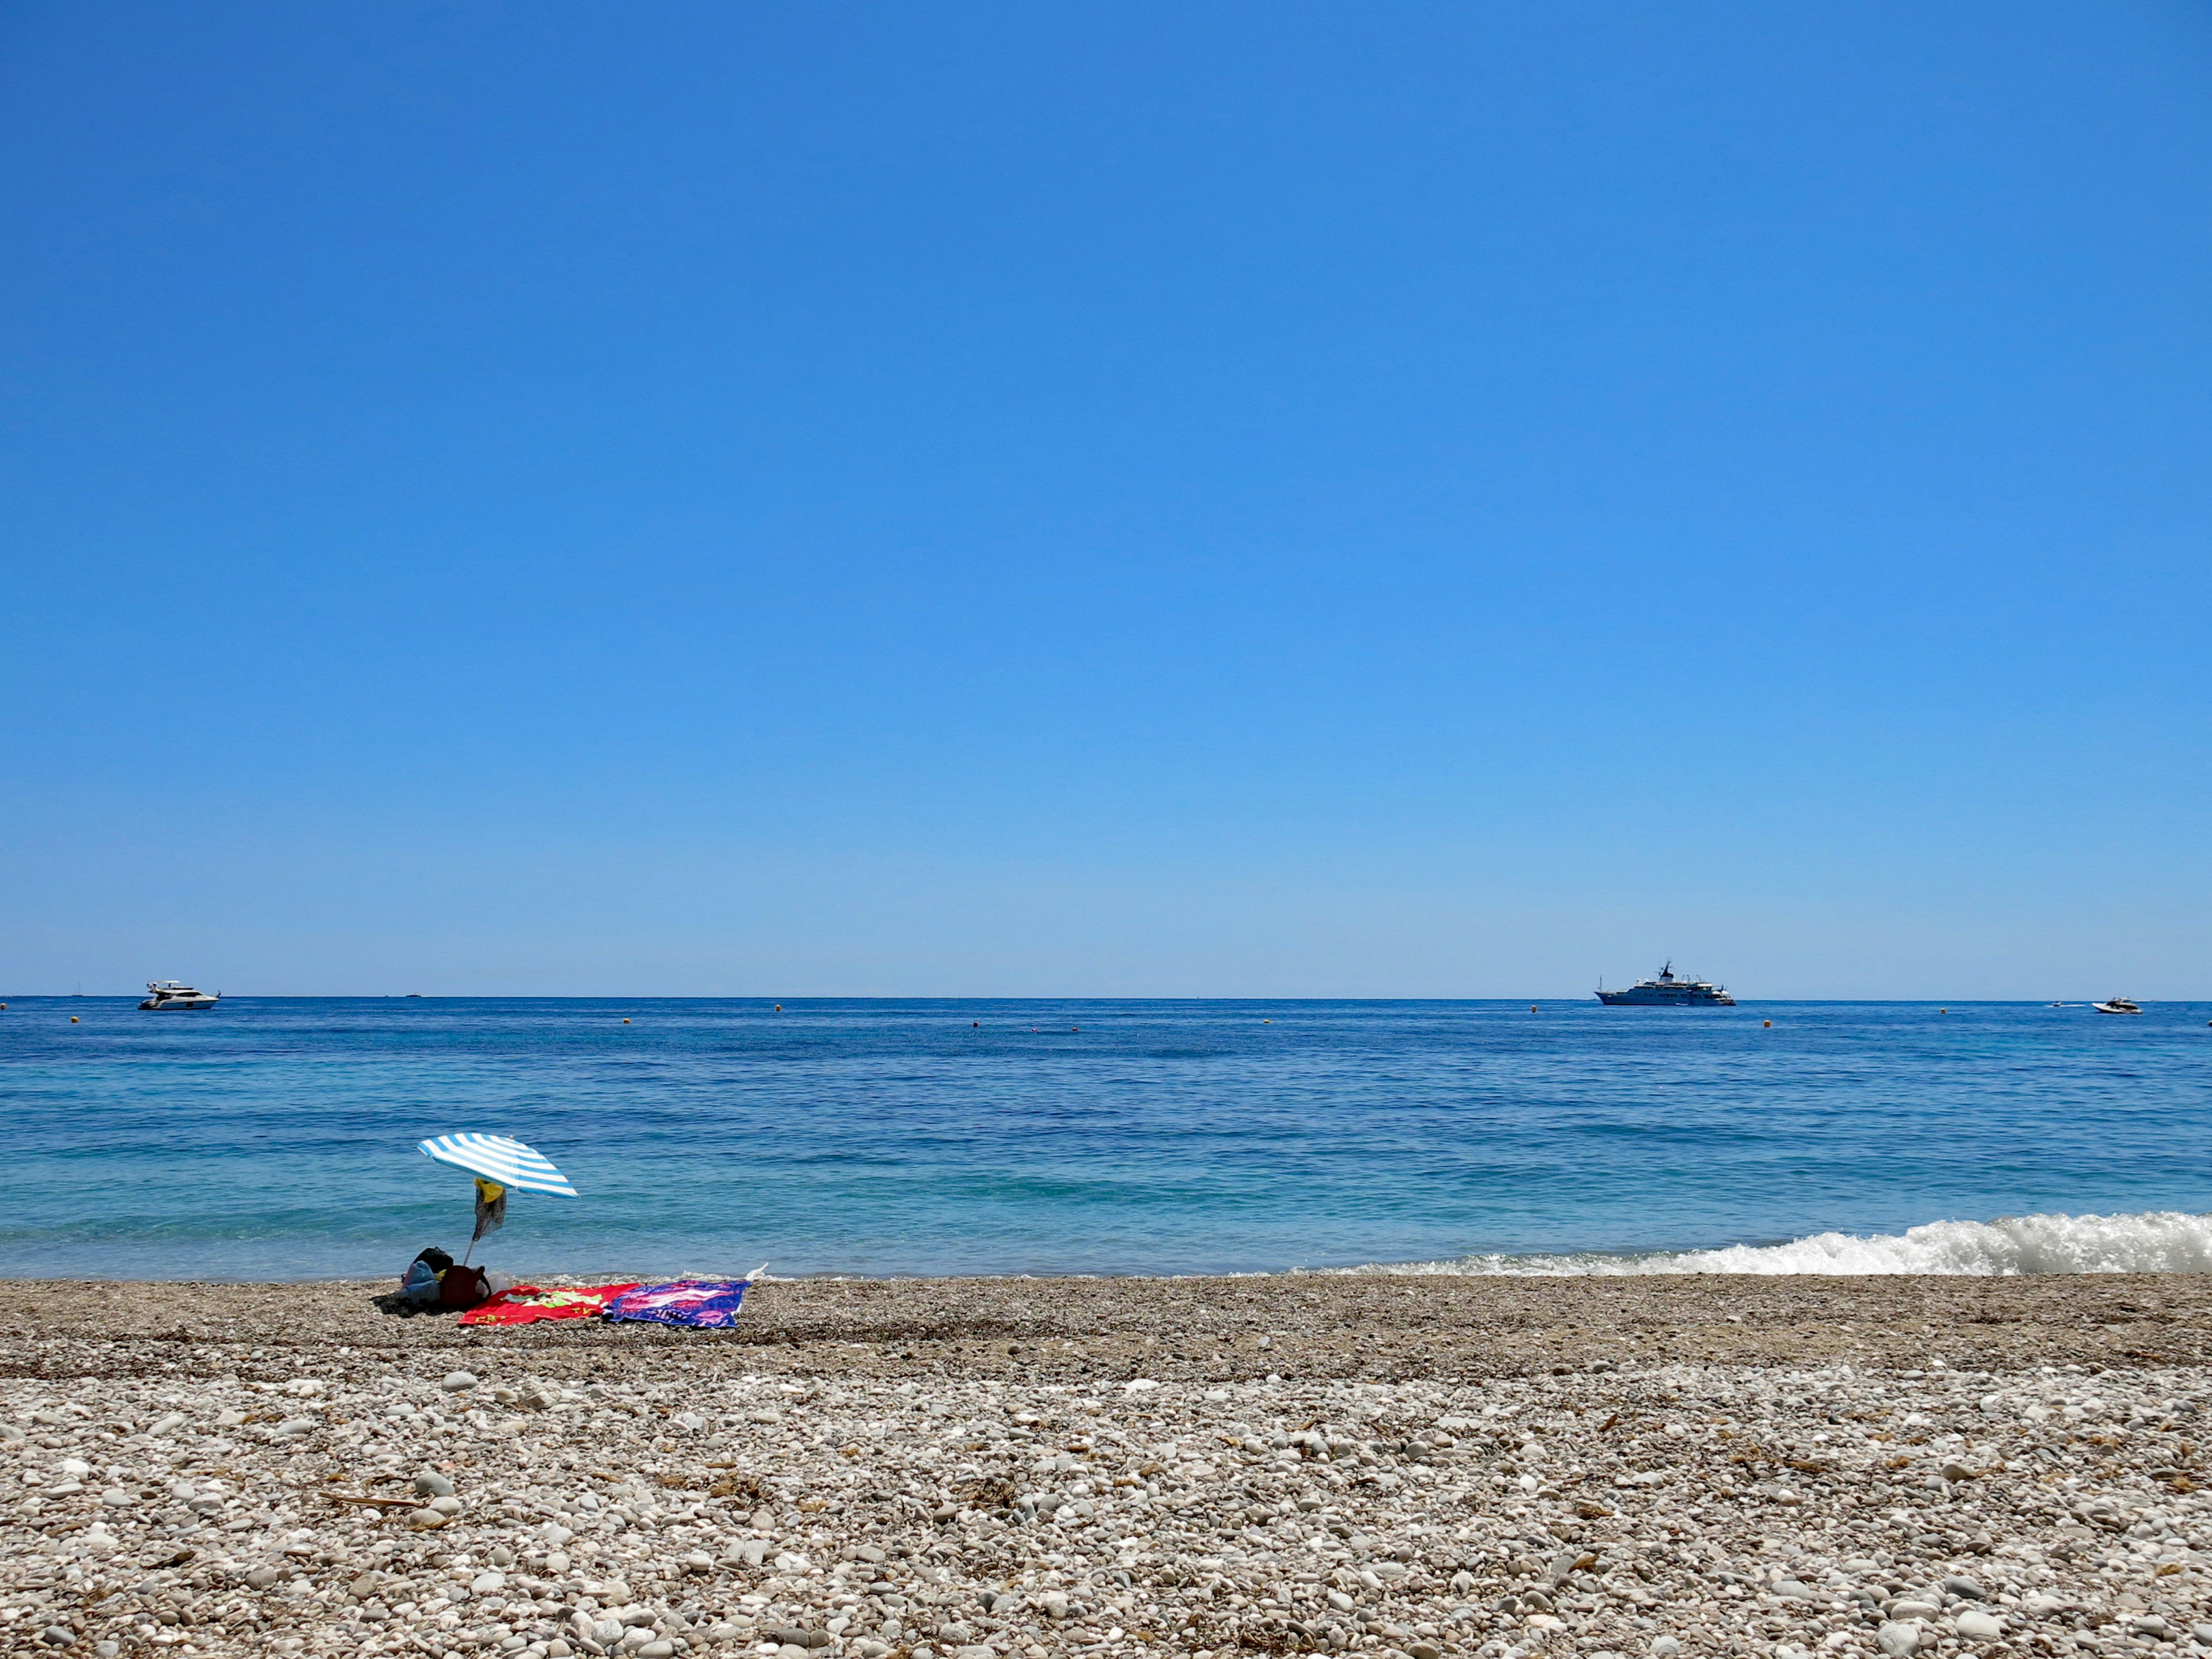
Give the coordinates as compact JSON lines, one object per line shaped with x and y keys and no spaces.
{"x":1386,"y":1326}
{"x":1768,"y":1468}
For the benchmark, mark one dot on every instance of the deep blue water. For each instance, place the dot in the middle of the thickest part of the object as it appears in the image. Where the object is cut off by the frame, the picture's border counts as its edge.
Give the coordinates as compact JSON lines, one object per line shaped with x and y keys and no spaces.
{"x":275,"y":1138}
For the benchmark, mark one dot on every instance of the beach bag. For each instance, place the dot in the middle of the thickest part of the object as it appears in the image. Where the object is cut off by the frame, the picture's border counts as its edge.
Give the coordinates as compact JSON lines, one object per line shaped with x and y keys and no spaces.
{"x":461,"y":1287}
{"x":420,"y":1284}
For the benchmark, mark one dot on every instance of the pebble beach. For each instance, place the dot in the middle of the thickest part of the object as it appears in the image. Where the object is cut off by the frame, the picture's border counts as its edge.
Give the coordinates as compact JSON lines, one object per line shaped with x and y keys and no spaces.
{"x":964,"y":1469}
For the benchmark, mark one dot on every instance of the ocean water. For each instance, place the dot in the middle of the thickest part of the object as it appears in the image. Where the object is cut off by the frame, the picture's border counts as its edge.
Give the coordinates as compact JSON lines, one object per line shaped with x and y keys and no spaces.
{"x":275,"y":1138}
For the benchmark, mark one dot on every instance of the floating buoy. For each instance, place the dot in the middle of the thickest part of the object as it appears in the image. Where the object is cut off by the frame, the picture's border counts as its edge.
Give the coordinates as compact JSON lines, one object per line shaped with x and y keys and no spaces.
{"x":72,"y":1019}
{"x":977,"y":1024}
{"x":1768,"y":1023}
{"x":1943,"y":1010}
{"x":779,"y":1007}
{"x":625,"y":1021}
{"x":1532,"y":1007}
{"x":1264,"y":1022}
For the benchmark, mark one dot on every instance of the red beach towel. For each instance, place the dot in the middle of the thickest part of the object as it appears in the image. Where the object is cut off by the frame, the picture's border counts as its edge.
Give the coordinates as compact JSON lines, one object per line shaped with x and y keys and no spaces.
{"x":526,"y":1304}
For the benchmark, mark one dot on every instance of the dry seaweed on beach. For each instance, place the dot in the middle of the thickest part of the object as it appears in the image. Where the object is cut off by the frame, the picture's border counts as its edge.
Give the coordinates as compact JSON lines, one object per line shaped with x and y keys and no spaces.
{"x":1601,"y":1483}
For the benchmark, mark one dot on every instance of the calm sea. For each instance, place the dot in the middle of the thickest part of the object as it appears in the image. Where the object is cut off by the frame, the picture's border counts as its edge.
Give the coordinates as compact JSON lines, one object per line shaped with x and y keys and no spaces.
{"x":275,"y":1138}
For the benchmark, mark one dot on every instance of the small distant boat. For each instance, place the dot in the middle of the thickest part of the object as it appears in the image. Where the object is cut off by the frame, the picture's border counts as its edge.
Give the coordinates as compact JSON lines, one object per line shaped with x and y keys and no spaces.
{"x":1667,"y":991}
{"x":173,"y":996}
{"x":2116,"y":1006}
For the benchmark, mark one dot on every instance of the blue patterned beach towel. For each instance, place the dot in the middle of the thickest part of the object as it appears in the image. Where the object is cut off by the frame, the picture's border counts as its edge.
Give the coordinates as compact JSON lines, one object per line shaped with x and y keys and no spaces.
{"x":709,"y":1303}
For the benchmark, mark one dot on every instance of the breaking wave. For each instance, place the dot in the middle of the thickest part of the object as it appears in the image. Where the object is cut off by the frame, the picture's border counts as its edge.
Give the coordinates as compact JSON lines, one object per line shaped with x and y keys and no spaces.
{"x":2157,"y":1241}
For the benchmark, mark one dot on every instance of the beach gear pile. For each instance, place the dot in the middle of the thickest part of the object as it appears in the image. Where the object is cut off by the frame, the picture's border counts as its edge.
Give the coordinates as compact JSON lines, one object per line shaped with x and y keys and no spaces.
{"x":432,"y":1280}
{"x":499,"y":1164}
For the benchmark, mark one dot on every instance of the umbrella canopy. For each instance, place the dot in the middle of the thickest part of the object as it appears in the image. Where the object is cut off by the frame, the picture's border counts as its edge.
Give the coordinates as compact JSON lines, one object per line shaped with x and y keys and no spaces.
{"x":502,"y":1159}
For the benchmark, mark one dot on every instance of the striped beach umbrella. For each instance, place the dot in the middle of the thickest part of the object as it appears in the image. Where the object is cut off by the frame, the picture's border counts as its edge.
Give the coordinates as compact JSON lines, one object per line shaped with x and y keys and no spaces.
{"x":502,"y":1159}
{"x":500,"y":1163}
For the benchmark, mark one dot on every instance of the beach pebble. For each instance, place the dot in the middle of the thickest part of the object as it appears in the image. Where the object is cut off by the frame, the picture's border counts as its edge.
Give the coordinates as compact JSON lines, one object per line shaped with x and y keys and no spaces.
{"x":431,"y":1484}
{"x":1979,"y":1626}
{"x":458,"y":1382}
{"x":1896,"y":1640}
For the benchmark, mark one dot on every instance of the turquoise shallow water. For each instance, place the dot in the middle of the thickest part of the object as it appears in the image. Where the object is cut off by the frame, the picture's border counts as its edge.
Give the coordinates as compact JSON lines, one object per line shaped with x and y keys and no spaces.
{"x":275,"y":1138}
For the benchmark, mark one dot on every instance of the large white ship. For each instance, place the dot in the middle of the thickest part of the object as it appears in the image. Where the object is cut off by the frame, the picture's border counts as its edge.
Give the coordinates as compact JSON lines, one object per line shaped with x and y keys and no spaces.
{"x":1667,"y":991}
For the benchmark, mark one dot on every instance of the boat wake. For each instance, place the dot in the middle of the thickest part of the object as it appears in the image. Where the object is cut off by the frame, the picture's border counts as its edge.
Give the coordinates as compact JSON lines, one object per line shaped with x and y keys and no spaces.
{"x":2157,"y":1241}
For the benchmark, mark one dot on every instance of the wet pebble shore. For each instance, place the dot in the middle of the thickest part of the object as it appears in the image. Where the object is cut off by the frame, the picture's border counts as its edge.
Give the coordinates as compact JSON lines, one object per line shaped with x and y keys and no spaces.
{"x":231,"y":1470}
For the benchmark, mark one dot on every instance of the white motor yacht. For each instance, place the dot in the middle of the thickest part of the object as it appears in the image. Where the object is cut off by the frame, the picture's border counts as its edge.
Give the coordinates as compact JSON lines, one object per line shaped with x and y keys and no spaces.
{"x":2115,"y":1006}
{"x":173,"y":995}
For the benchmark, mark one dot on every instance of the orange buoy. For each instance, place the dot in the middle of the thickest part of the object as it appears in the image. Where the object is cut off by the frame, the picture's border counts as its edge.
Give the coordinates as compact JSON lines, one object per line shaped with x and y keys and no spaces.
{"x":1768,"y":1023}
{"x":72,"y":1019}
{"x":625,"y":1021}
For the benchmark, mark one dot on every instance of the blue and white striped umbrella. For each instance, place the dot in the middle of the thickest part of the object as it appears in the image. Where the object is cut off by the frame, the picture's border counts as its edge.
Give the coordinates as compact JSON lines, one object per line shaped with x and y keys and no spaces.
{"x":498,"y":1158}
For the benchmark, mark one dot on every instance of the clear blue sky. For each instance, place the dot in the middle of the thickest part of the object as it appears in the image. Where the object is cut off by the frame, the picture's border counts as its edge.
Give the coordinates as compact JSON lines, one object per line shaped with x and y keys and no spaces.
{"x":1285,"y":499}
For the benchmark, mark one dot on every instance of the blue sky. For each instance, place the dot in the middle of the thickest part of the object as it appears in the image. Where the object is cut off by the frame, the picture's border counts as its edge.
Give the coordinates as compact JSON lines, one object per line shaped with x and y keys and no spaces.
{"x":1287,"y":498}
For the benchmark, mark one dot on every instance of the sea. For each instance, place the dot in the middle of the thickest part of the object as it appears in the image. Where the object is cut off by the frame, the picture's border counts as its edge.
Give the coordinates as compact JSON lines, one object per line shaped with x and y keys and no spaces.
{"x":277,"y":1137}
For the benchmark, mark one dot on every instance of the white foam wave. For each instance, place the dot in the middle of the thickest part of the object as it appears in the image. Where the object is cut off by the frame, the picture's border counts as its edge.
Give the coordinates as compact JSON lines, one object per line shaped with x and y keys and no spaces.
{"x":2157,"y":1241}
